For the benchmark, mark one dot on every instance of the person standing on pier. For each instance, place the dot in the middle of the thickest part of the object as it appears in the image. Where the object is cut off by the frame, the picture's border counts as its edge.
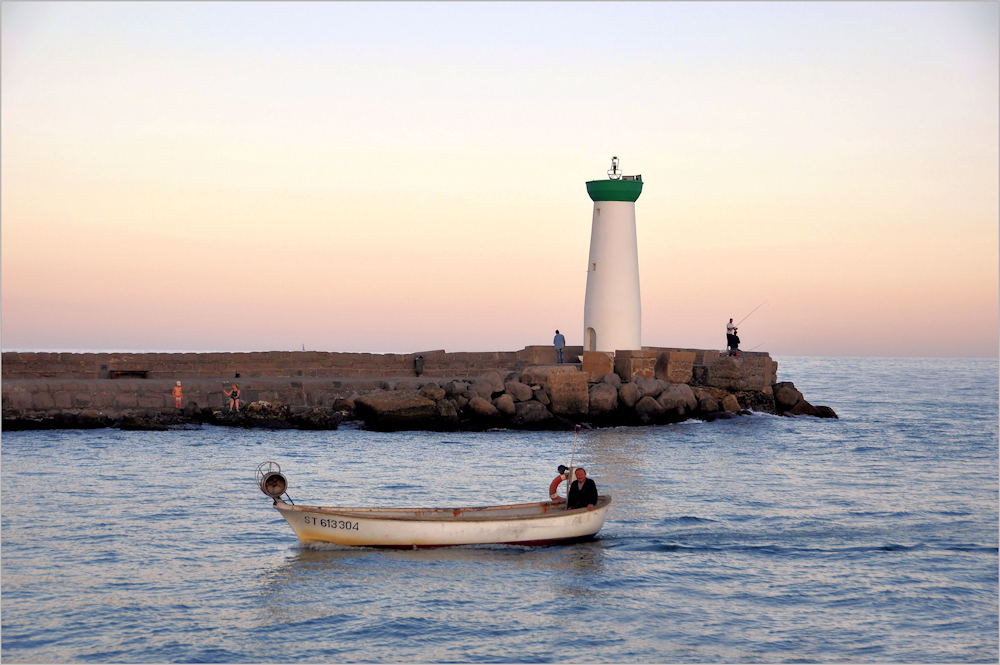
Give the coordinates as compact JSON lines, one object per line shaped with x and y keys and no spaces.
{"x":178,"y":396}
{"x":560,"y":343}
{"x":730,"y":335}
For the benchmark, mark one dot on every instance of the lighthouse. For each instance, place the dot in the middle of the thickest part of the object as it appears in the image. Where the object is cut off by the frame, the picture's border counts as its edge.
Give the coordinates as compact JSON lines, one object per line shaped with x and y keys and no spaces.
{"x":612,"y":311}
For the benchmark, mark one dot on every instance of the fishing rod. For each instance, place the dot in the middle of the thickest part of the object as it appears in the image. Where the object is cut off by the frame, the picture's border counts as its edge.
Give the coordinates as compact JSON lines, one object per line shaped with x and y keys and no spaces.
{"x":751,"y":312}
{"x":757,"y":347}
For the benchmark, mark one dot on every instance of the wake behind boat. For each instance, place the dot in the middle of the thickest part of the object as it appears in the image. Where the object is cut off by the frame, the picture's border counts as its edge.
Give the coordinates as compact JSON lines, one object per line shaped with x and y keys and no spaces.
{"x":541,"y":523}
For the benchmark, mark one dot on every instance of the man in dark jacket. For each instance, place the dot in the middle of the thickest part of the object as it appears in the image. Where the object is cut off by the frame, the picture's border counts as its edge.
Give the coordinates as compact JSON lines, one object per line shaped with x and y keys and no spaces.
{"x":582,"y":493}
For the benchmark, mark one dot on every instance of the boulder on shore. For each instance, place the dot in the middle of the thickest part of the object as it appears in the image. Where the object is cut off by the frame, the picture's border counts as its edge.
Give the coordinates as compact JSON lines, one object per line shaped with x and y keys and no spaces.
{"x":629,"y":394}
{"x":397,"y":410}
{"x":528,"y":415}
{"x":603,"y":399}
{"x":519,"y":391}
{"x":680,"y":397}
{"x":649,"y":410}
{"x":488,"y":385}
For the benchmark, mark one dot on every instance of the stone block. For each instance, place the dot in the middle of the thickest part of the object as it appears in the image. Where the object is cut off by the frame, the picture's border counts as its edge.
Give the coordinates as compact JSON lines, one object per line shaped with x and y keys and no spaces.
{"x":674,"y":366}
{"x":540,"y":373}
{"x":597,"y":363}
{"x":63,"y":400}
{"x":745,"y":372}
{"x":20,"y":399}
{"x":43,"y":400}
{"x":538,"y":355}
{"x":126,"y":400}
{"x":638,"y":362}
{"x":567,"y":392}
{"x":154,"y":400}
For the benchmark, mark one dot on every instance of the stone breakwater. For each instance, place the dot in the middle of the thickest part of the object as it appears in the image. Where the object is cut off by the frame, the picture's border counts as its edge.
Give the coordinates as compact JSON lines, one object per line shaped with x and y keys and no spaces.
{"x":651,"y":386}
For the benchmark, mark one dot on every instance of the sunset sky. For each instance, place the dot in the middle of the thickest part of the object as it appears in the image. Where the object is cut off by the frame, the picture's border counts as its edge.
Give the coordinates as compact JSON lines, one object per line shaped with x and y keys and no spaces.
{"x":401,"y":177}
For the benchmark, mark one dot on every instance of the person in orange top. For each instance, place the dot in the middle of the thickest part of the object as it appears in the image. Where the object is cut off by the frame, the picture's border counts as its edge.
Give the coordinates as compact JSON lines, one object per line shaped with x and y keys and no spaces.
{"x":178,"y":396}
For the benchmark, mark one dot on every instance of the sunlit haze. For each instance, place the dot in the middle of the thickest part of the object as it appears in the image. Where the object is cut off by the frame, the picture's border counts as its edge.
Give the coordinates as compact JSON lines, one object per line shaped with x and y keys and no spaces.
{"x":406,"y":177}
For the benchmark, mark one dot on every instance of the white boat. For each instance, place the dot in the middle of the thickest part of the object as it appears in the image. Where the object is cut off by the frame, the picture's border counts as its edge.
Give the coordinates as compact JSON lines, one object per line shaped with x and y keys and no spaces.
{"x":540,"y":523}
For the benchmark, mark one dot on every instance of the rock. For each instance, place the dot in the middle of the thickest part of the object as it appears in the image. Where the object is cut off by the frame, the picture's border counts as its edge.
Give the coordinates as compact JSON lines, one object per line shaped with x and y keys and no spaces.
{"x":391,"y":411}
{"x":568,"y":394}
{"x":629,"y":394}
{"x":504,"y":404}
{"x":603,"y":399}
{"x":266,"y":415}
{"x":90,"y":419}
{"x":346,"y":403}
{"x":482,"y":408}
{"x":648,"y":410}
{"x":785,"y":396}
{"x":488,"y":385}
{"x":447,"y":413}
{"x":432,"y":392}
{"x":519,"y":391}
{"x":539,"y":394}
{"x":460,"y":401}
{"x":731,"y":404}
{"x":405,"y":386}
{"x":803,"y":408}
{"x":649,"y":387}
{"x":316,"y":418}
{"x":454,"y":388}
{"x":826,"y":412}
{"x":530,"y":413}
{"x":612,"y":379}
{"x":678,"y":396}
{"x":706,"y":401}
{"x":142,"y":421}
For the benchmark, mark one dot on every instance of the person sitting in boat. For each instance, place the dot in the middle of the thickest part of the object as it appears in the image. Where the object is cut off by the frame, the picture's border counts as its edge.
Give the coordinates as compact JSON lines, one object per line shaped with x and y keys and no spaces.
{"x":582,"y":493}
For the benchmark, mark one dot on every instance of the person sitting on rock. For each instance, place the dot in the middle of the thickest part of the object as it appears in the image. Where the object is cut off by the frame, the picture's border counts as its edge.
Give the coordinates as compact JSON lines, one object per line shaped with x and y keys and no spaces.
{"x":582,"y":493}
{"x":234,"y":398}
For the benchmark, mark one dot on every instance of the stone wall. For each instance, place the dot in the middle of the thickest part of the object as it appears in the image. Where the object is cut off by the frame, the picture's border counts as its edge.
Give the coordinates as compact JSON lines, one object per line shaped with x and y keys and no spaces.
{"x":60,"y":383}
{"x":270,"y":364}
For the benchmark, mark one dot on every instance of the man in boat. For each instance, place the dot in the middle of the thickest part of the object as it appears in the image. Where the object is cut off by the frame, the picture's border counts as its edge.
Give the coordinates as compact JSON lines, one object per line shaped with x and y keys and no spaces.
{"x":582,"y":493}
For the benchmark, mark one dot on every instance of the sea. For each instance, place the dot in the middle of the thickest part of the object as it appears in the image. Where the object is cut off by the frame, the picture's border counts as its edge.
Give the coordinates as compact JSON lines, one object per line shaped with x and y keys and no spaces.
{"x":761,"y":539}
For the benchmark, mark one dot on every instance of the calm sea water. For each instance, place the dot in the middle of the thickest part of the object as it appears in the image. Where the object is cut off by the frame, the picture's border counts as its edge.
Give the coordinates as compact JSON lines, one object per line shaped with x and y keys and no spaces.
{"x":759,"y":539}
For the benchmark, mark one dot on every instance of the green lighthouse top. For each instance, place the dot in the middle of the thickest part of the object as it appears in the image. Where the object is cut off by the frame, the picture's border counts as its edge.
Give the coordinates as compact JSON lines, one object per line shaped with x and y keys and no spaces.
{"x":617,"y":187}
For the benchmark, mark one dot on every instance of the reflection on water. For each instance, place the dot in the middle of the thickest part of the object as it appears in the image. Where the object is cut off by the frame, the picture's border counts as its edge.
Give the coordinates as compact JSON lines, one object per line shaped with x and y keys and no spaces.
{"x":754,"y":539}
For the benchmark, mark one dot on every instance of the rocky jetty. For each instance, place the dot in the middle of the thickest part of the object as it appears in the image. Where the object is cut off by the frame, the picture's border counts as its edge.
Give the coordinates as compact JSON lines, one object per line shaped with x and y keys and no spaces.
{"x":561,"y":397}
{"x":256,"y":414}
{"x":645,"y":387}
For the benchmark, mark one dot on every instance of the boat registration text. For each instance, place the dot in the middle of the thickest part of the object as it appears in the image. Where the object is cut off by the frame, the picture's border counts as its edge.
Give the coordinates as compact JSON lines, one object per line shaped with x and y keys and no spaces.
{"x":332,"y":524}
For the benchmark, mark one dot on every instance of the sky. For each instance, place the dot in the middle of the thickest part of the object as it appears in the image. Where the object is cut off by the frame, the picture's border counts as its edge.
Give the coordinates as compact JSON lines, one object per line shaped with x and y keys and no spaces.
{"x":401,"y":177}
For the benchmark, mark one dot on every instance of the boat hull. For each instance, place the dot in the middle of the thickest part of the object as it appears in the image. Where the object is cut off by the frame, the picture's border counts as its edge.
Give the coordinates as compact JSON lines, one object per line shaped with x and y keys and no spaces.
{"x":413,"y":528}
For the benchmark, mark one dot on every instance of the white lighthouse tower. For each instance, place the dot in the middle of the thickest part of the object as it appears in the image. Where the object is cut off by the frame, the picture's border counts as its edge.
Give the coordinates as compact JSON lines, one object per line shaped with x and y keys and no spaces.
{"x":612,"y":312}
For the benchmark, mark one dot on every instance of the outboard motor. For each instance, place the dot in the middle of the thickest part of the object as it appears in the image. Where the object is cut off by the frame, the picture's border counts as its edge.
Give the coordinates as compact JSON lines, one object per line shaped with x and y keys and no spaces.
{"x":271,"y":481}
